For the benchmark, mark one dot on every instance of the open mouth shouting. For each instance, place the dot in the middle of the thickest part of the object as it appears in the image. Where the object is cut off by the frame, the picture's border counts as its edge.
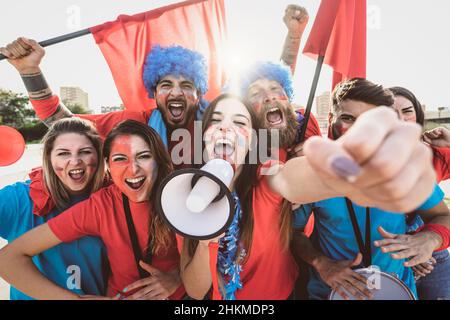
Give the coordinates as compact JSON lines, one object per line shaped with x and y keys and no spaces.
{"x":77,"y":174}
{"x":223,"y":148}
{"x":274,"y":117}
{"x":135,"y":183}
{"x":176,"y":109}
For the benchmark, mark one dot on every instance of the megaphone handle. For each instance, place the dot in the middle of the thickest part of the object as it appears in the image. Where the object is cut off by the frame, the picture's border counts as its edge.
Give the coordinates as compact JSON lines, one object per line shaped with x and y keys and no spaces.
{"x":197,"y":177}
{"x":213,"y":254}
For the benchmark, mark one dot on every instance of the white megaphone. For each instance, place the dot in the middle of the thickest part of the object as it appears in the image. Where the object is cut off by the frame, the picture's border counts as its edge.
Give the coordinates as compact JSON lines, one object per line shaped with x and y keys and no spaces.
{"x":197,"y":203}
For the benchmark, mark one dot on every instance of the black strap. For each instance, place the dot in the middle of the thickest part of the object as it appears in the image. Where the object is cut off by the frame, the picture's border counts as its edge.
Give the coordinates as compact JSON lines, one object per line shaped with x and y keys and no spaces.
{"x":364,"y":248}
{"x":135,"y":242}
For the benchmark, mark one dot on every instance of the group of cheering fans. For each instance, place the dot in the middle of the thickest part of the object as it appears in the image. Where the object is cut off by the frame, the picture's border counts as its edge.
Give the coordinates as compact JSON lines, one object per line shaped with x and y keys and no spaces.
{"x":68,"y":227}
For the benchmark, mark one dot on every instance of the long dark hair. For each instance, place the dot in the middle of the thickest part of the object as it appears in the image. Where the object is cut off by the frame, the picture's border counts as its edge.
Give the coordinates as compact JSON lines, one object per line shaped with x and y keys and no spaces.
{"x":420,"y":115}
{"x":162,"y":234}
{"x":405,"y":93}
{"x":245,"y":184}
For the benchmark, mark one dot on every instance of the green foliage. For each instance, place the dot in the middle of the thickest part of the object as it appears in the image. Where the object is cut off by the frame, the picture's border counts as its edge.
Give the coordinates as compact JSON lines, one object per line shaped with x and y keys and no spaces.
{"x":76,"y":108}
{"x":14,"y":110}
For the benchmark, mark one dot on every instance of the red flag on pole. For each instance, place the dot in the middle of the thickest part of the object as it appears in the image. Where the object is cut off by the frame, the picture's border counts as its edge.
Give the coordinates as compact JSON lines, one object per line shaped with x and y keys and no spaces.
{"x":339,"y":35}
{"x":125,"y":43}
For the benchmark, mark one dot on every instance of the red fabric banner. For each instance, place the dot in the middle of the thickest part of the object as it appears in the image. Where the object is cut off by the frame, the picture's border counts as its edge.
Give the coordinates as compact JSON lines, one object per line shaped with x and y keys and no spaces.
{"x":339,"y":34}
{"x":125,"y":43}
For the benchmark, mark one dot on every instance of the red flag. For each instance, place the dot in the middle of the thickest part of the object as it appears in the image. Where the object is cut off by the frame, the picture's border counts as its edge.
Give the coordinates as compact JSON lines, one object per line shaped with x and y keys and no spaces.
{"x":125,"y":43}
{"x":339,"y":34}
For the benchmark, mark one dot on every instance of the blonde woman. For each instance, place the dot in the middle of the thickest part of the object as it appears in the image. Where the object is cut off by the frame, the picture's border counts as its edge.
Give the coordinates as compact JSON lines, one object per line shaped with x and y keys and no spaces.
{"x":72,"y":170}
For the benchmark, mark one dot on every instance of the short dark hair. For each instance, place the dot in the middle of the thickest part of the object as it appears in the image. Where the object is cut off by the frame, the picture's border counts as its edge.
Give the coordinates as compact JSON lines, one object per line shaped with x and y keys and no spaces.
{"x":405,"y":93}
{"x":362,"y":90}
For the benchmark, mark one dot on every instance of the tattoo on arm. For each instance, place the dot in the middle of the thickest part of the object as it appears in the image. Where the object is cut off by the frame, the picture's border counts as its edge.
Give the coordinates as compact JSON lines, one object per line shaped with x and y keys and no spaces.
{"x":290,"y":51}
{"x":37,"y":86}
{"x":60,"y":113}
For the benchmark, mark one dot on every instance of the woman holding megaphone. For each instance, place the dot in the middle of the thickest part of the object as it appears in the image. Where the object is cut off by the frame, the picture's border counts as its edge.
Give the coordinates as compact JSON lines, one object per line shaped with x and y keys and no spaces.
{"x":72,"y":170}
{"x":141,"y":249}
{"x":252,"y":259}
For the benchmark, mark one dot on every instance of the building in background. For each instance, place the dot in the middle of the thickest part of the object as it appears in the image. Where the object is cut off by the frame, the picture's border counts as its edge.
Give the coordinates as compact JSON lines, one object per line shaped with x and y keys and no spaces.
{"x":74,"y":96}
{"x":107,"y":109}
{"x":323,"y":105}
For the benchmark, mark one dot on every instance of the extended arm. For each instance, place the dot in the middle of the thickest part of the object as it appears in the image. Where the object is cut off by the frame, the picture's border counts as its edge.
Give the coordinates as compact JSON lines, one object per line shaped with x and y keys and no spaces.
{"x":17,"y":267}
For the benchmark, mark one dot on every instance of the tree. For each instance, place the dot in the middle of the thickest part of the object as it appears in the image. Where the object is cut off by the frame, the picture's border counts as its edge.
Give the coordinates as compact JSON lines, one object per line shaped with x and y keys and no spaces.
{"x":14,"y":110}
{"x":76,"y":108}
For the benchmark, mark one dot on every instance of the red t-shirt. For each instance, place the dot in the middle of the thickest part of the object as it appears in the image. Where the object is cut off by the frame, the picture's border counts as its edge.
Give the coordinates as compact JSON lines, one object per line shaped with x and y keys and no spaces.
{"x":441,"y":161}
{"x":103,"y":215}
{"x":270,"y":271}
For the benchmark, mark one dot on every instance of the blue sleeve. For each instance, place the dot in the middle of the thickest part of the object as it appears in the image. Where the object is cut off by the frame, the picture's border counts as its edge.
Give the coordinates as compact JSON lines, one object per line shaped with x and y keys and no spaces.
{"x":14,"y":201}
{"x":301,"y":215}
{"x":436,"y":197}
{"x":156,"y":122}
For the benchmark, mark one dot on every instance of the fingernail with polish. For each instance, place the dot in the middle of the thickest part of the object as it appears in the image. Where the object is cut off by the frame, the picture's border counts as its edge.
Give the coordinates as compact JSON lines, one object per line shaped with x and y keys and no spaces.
{"x":125,"y":290}
{"x":345,"y":168}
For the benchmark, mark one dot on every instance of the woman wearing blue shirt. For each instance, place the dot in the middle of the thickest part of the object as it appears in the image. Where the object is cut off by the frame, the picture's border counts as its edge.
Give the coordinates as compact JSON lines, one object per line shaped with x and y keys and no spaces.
{"x":72,"y":170}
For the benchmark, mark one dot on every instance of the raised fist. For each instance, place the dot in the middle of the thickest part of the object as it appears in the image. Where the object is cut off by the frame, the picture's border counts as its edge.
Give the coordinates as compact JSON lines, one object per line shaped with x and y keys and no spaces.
{"x":24,"y":54}
{"x":295,"y":18}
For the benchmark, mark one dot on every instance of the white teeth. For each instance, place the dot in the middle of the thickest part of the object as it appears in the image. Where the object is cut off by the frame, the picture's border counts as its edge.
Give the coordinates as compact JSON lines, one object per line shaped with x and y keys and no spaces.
{"x":136,"y":180}
{"x":76,"y":171}
{"x":273,"y":109}
{"x":224,"y":141}
{"x":176,"y":105}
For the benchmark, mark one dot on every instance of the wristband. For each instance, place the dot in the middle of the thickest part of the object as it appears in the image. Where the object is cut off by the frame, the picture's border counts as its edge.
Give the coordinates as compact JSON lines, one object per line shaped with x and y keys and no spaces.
{"x":441,"y":230}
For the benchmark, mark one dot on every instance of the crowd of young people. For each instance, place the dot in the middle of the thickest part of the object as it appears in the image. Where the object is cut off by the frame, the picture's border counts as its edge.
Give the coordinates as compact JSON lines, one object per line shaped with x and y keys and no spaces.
{"x":92,"y":204}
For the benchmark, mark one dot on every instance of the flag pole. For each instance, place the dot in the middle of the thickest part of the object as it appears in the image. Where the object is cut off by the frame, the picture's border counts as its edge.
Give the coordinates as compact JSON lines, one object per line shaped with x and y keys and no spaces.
{"x":312,"y":93}
{"x":59,"y":39}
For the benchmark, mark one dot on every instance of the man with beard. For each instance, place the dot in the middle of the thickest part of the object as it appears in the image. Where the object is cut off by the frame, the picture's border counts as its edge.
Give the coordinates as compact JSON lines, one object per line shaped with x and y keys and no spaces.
{"x":347,"y":235}
{"x":268,"y":88}
{"x":174,"y":76}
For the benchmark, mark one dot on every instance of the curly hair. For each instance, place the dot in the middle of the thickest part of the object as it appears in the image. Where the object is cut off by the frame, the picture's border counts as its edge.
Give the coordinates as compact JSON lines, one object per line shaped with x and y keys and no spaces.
{"x":178,"y":61}
{"x":269,"y":70}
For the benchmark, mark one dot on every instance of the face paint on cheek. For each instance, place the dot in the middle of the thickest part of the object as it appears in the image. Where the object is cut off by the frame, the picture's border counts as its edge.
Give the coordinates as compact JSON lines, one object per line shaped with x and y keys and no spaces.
{"x":118,"y":169}
{"x":282,"y":97}
{"x":339,"y":129}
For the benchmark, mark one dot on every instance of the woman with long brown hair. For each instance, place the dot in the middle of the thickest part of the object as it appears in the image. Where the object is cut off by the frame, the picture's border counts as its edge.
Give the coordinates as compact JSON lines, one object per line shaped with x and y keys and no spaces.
{"x":138,"y":243}
{"x":72,"y":170}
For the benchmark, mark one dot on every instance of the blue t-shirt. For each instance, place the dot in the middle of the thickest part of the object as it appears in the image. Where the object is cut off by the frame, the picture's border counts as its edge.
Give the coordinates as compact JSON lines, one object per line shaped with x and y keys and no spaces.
{"x":80,"y":266}
{"x":334,"y":236}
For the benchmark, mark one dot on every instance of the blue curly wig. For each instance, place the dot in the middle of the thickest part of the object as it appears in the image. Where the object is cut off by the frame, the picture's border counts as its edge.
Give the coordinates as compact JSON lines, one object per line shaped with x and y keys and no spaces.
{"x":178,"y":61}
{"x":270,"y":70}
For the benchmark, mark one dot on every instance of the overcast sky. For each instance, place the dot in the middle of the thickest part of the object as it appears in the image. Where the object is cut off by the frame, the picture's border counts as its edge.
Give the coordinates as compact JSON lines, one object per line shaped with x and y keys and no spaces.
{"x":408,"y":43}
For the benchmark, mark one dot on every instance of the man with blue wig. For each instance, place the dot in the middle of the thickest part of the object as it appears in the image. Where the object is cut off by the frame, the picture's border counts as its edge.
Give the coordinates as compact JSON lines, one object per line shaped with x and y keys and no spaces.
{"x":268,"y":87}
{"x":174,"y":76}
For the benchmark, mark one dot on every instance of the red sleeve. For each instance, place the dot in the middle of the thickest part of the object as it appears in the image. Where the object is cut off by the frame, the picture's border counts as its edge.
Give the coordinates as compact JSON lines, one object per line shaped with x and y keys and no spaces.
{"x":45,"y":108}
{"x":441,"y":161}
{"x":103,"y":122}
{"x":106,"y":122}
{"x":83,"y":219}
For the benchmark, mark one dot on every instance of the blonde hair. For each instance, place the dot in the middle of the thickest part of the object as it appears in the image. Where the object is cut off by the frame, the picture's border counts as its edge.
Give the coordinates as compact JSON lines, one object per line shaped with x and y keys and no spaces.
{"x":59,"y":192}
